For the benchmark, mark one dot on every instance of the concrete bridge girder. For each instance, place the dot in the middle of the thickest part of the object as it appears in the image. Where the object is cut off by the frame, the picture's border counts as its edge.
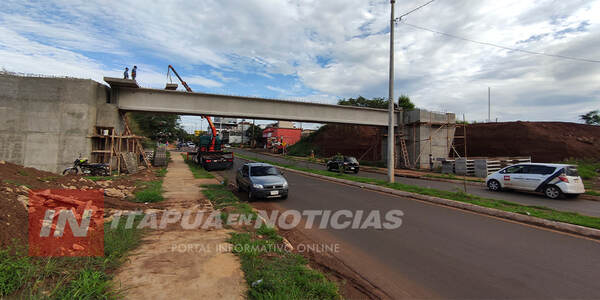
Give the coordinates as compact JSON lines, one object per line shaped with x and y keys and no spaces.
{"x":421,"y":128}
{"x":152,"y":100}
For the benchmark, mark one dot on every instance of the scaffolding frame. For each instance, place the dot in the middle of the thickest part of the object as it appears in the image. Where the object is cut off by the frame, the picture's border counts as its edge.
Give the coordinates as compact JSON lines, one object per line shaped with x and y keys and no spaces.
{"x":429,"y":139}
{"x":108,"y":144}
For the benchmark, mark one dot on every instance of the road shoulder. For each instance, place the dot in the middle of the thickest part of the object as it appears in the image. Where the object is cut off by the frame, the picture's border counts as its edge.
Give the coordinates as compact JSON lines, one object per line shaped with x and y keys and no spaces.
{"x":178,"y":263}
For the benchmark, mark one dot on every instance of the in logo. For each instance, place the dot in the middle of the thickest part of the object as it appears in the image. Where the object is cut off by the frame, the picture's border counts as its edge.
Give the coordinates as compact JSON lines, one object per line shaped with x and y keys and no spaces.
{"x":66,"y":223}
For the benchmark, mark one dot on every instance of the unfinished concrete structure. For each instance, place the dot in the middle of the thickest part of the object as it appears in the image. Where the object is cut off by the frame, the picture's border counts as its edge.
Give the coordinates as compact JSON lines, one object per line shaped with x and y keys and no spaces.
{"x":46,"y":122}
{"x":429,"y":136}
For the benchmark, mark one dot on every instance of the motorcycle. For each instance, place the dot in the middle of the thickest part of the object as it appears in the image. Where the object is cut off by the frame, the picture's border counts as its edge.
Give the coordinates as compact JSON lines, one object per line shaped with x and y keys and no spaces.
{"x":82,"y":166}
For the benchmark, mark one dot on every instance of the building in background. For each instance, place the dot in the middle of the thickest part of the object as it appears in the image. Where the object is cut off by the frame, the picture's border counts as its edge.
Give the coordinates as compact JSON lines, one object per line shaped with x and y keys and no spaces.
{"x":281,"y":135}
{"x":224,"y":124}
{"x":284,"y":124}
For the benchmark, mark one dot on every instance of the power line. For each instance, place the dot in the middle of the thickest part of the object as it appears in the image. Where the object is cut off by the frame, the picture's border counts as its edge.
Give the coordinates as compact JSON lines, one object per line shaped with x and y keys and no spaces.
{"x":502,"y":47}
{"x":410,"y":12}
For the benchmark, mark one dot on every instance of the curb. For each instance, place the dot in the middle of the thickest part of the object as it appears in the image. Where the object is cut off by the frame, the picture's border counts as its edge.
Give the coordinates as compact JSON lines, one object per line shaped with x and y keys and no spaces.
{"x":369,"y":169}
{"x":373,"y":170}
{"x":555,"y":225}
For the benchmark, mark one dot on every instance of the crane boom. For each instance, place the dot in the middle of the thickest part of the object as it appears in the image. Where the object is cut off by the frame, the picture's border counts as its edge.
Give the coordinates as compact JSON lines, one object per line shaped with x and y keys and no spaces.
{"x":208,"y":118}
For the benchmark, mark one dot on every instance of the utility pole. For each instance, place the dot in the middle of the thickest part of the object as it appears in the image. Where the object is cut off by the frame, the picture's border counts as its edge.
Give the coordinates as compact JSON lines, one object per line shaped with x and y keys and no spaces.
{"x":465,"y":151}
{"x":390,"y":140}
{"x":489,"y":105}
{"x":253,"y":136}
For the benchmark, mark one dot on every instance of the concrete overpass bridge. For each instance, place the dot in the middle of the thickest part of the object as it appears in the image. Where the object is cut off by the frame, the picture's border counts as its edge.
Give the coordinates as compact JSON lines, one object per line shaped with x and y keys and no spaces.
{"x":129,"y":97}
{"x":45,"y":122}
{"x":425,"y":132}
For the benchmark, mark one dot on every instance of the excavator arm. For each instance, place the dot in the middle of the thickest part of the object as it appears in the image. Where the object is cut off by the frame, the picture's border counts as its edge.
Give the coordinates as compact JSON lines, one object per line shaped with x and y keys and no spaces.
{"x":208,"y":118}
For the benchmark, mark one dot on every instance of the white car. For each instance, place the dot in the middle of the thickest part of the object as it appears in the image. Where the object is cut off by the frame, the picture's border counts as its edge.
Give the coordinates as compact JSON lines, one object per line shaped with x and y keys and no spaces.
{"x":554,"y":180}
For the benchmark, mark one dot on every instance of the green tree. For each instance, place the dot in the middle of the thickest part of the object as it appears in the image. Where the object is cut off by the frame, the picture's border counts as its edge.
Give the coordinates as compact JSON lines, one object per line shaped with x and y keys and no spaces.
{"x":162,"y":127}
{"x":377,"y":102}
{"x":405,"y":103}
{"x":591,"y":118}
{"x":361,"y":101}
{"x":254,"y":134}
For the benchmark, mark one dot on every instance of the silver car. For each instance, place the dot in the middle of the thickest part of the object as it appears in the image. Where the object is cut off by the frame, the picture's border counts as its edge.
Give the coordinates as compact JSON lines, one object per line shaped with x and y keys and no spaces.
{"x":261,"y":180}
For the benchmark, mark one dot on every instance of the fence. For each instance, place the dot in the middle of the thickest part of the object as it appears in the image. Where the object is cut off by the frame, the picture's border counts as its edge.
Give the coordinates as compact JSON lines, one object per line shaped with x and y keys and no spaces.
{"x":480,"y":166}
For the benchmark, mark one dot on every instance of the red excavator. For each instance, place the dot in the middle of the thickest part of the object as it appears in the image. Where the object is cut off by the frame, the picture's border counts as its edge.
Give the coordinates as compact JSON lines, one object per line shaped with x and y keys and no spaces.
{"x":208,"y":151}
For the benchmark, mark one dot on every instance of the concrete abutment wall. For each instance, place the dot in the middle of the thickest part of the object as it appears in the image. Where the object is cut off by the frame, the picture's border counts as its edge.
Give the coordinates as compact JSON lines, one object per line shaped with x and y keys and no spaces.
{"x":45,"y":123}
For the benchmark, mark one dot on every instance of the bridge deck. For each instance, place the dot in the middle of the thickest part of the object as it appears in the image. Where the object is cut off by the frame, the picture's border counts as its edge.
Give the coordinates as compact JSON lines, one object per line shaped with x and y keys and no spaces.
{"x":179,"y":102}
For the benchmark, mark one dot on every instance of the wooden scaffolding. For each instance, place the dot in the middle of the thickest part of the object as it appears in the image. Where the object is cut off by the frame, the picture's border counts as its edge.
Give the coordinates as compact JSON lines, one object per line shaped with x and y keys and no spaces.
{"x":117,"y":149}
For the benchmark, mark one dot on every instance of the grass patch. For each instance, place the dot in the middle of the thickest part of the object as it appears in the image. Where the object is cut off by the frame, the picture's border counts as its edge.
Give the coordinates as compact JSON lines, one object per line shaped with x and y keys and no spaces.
{"x":306,"y":145}
{"x":536,"y":211}
{"x":221,"y":197}
{"x":22,"y":276}
{"x":162,"y":172}
{"x":378,"y":164}
{"x":196,"y":169}
{"x":47,"y":178}
{"x":149,"y":191}
{"x":452,"y":177}
{"x":22,"y":173}
{"x":16,"y":183}
{"x":100,"y":178}
{"x":14,"y":270}
{"x":592,"y":193}
{"x":586,"y":169}
{"x":270,"y":271}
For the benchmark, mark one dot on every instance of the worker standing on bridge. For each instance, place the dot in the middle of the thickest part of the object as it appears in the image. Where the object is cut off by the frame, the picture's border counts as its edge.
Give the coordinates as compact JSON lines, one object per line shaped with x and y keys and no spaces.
{"x":133,"y":72}
{"x":126,"y":73}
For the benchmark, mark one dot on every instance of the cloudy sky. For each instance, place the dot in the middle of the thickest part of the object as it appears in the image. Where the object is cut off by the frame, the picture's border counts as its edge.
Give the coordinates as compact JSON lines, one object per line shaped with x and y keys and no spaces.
{"x":324,"y":50}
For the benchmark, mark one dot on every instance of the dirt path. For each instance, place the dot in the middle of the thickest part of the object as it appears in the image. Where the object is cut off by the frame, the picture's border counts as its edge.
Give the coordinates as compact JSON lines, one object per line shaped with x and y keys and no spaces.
{"x":183,"y":264}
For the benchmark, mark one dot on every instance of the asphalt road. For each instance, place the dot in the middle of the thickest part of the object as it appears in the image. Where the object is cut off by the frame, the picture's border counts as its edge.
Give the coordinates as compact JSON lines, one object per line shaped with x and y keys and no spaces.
{"x":441,"y":252}
{"x":584,"y":207}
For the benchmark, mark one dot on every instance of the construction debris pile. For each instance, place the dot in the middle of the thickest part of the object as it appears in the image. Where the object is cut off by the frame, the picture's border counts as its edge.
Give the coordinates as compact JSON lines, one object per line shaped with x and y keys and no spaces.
{"x":17,"y":182}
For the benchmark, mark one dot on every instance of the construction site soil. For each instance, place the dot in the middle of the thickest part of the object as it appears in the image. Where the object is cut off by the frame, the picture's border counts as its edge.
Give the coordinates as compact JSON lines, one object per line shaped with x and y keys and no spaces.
{"x":363,"y":142}
{"x":543,"y":141}
{"x":17,"y":181}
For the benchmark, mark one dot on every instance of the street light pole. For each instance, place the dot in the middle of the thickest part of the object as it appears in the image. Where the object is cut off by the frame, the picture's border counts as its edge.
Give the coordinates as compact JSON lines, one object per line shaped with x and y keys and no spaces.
{"x":390,"y":140}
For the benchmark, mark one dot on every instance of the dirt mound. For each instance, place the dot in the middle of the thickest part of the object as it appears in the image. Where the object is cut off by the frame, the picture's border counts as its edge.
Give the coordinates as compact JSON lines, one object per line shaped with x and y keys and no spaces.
{"x":17,"y":181}
{"x":363,"y":142}
{"x":543,"y":141}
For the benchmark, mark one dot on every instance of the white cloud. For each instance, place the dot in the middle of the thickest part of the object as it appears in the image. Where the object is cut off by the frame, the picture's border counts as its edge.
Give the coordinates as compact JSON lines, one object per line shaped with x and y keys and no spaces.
{"x":295,"y":38}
